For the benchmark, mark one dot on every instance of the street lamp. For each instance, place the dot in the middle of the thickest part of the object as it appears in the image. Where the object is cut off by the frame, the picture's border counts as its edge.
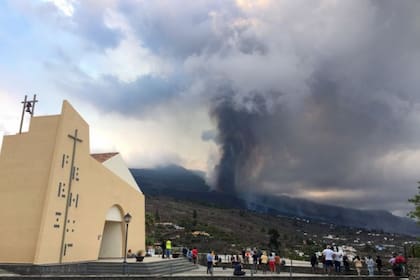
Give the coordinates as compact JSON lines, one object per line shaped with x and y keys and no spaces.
{"x":127,"y":219}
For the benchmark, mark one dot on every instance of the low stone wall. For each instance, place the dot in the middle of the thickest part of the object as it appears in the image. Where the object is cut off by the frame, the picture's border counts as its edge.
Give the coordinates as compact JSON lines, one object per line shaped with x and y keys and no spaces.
{"x":189,"y":277}
{"x":386,"y":271}
{"x":414,"y":268}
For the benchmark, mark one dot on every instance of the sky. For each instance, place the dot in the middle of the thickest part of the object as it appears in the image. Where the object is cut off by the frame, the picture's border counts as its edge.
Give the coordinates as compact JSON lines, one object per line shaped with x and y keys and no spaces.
{"x":312,"y":99}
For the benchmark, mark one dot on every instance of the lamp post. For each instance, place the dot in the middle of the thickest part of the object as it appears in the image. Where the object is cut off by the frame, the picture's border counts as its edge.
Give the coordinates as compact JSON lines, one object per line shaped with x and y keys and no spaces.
{"x":127,"y":219}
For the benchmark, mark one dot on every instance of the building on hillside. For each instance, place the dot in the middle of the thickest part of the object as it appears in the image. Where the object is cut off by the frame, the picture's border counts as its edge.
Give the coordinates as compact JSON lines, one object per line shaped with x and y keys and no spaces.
{"x":59,"y":203}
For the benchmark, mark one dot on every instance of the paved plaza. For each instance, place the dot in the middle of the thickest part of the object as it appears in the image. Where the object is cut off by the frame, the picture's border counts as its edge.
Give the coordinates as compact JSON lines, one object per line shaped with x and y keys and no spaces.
{"x":201,"y":271}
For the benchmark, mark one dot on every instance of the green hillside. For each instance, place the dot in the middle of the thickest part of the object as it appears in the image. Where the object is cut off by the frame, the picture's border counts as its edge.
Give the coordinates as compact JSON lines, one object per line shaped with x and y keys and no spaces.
{"x":231,"y":229}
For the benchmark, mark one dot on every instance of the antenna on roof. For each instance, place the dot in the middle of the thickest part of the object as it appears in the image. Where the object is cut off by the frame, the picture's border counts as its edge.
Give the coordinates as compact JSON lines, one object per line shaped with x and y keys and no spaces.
{"x":28,"y":107}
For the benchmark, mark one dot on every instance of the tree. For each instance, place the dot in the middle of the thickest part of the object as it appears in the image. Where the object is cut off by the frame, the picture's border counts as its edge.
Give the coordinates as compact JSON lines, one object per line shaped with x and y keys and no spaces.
{"x":274,"y":236}
{"x":194,"y":218}
{"x":150,"y":226}
{"x":157,"y":216}
{"x":150,"y":221}
{"x":415,"y":214}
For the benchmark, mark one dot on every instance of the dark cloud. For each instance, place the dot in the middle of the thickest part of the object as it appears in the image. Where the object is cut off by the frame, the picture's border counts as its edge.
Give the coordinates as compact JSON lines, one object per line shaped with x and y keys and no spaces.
{"x":177,"y":30}
{"x":238,"y":142}
{"x":209,"y":135}
{"x":89,"y":22}
{"x":360,"y":107}
{"x":319,"y":97}
{"x":136,"y":99}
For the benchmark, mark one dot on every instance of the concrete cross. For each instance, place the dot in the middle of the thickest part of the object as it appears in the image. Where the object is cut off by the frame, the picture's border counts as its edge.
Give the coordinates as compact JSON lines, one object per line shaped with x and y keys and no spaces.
{"x":68,"y":200}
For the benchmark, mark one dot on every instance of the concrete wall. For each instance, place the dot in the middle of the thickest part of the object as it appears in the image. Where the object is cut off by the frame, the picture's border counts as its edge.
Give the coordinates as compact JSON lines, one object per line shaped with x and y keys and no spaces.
{"x":194,"y":277}
{"x":35,"y":170}
{"x":24,"y":169}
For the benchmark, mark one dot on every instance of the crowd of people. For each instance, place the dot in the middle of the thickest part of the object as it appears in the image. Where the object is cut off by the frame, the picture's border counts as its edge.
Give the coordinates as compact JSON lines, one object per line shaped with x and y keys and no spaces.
{"x":335,"y":261}
{"x":259,"y":260}
{"x":332,"y":258}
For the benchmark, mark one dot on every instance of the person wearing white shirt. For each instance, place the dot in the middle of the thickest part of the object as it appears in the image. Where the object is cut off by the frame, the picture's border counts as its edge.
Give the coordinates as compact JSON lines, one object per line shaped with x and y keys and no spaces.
{"x":338,"y":258}
{"x":329,"y":258}
{"x":370,"y":265}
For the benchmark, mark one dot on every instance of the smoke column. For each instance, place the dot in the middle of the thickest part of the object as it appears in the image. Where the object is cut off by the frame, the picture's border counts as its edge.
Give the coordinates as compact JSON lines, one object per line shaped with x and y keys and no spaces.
{"x":238,"y":142}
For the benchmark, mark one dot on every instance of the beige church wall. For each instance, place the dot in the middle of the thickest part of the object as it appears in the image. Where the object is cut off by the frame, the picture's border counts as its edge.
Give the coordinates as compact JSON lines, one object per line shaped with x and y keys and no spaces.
{"x":106,"y":190}
{"x":98,"y":190}
{"x":50,"y":240}
{"x":34,"y":181}
{"x":24,"y":168}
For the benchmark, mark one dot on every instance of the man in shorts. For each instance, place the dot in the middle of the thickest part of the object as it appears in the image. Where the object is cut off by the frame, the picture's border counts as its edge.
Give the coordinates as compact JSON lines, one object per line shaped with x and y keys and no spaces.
{"x":329,"y":258}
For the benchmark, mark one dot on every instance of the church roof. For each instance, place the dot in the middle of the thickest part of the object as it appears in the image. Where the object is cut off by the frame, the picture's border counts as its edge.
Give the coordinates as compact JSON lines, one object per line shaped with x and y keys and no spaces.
{"x":103,"y":157}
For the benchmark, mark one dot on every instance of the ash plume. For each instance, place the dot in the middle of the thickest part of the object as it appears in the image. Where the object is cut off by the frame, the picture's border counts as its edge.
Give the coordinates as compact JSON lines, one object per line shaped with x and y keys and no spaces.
{"x":238,"y":142}
{"x":310,"y":99}
{"x":331,"y":117}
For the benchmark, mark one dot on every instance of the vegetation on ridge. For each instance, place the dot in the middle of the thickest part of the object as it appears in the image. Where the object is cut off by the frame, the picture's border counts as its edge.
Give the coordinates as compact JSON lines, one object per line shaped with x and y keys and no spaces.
{"x":415,"y":214}
{"x":229,"y":230}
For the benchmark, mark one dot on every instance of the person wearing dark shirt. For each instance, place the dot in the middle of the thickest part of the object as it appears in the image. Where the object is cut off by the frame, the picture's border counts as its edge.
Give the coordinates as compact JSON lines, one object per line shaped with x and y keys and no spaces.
{"x":255,"y":258}
{"x":163,"y":246}
{"x":184,"y":251}
{"x":346,"y":263}
{"x":314,"y":262}
{"x":379,"y":264}
{"x":237,"y":269}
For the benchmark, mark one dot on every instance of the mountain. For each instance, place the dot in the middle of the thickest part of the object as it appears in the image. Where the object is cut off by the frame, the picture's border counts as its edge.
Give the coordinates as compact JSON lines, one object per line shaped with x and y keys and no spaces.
{"x":180,"y":183}
{"x":183,"y":184}
{"x":168,"y":178}
{"x":367,"y":219}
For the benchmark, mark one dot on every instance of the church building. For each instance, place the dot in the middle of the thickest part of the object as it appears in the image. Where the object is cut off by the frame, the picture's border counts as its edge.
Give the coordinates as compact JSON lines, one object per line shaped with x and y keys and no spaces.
{"x":61,"y":204}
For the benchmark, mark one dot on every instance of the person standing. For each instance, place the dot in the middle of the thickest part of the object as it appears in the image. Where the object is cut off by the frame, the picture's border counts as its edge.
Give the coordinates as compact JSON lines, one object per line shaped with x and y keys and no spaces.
{"x":393,"y":264}
{"x":163,"y":246}
{"x":168,"y":248}
{"x":264,"y":262}
{"x":358,"y":264}
{"x":278,"y":263}
{"x":400,"y":262}
{"x":194,"y":253}
{"x":314,"y":262}
{"x":255,"y":260}
{"x":338,"y":258}
{"x":329,"y":259}
{"x":189,"y":255}
{"x":272,"y":262}
{"x":210,"y":263}
{"x":370,"y":265}
{"x":379,"y":264}
{"x":346,"y":264}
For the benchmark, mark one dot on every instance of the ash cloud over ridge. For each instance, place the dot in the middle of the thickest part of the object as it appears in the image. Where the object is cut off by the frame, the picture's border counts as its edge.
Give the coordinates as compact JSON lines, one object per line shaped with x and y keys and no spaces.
{"x":338,"y":126}
{"x":318,"y":100}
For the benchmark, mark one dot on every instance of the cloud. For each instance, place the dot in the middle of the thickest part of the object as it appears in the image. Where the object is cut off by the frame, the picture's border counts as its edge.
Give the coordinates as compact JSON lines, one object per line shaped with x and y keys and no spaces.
{"x":164,"y":137}
{"x":310,"y":99}
{"x":65,"y":6}
{"x":209,"y":135}
{"x":175,"y":30}
{"x":328,"y":97}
